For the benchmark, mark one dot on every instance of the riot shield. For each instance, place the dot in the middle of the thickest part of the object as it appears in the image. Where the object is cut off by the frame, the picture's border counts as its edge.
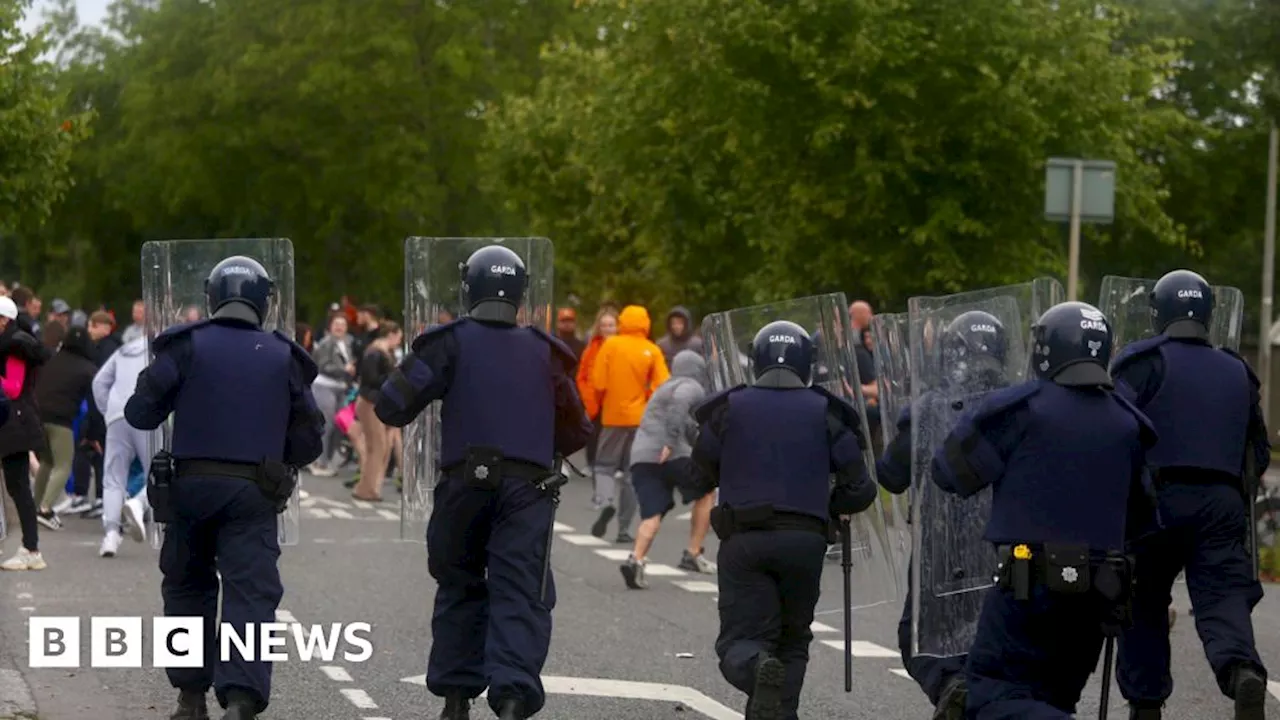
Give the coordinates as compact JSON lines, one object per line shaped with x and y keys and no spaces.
{"x":2,"y":517}
{"x":951,"y":563}
{"x":727,"y":335}
{"x":890,"y":334}
{"x":1126,"y":302}
{"x":433,"y":296}
{"x":173,"y":278}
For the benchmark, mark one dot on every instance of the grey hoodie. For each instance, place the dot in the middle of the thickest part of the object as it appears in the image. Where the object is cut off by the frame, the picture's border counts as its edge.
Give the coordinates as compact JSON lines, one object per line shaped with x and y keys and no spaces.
{"x":114,"y":383}
{"x":667,"y":420}
{"x":688,"y":340}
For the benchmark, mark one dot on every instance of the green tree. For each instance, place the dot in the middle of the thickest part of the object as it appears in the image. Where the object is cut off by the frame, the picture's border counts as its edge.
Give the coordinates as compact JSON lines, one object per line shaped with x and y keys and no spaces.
{"x":735,"y":152}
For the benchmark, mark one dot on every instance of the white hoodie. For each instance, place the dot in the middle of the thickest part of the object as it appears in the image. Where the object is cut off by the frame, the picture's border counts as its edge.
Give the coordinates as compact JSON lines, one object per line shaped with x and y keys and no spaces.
{"x":114,"y":383}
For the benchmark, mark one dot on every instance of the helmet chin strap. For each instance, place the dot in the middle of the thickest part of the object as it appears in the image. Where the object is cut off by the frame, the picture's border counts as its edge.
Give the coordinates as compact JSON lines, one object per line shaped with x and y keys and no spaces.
{"x":495,"y":311}
{"x":238,"y":310}
{"x":782,"y":378}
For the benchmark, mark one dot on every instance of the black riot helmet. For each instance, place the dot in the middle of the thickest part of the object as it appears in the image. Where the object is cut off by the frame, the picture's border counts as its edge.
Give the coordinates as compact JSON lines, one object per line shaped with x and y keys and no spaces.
{"x":1071,"y":345}
{"x":973,"y":348}
{"x":237,"y":286}
{"x":782,"y":355}
{"x":1182,"y":305}
{"x":493,"y":284}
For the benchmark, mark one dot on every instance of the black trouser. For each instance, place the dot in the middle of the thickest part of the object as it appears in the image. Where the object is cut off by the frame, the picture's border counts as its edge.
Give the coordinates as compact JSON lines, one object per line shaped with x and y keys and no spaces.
{"x":17,"y":481}
{"x":86,"y":467}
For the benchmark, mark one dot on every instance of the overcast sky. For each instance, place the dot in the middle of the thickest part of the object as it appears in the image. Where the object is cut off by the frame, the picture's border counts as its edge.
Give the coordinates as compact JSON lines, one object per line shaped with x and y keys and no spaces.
{"x":91,"y":12}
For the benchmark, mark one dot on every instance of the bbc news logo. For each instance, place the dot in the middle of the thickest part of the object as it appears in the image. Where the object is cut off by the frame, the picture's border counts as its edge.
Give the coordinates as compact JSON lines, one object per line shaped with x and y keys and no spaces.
{"x":179,"y":642}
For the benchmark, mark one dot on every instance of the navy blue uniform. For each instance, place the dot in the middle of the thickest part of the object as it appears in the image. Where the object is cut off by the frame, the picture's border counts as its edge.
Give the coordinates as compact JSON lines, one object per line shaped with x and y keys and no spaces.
{"x":774,"y":450}
{"x":1204,"y":402}
{"x":1064,"y":464}
{"x":510,"y":389}
{"x":933,"y":674}
{"x":238,"y":395}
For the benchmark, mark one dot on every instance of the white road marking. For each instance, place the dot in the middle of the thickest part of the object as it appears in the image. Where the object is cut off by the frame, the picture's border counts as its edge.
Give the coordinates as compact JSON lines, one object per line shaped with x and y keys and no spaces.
{"x":285,"y":616}
{"x":303,"y":494}
{"x":318,"y":513}
{"x":342,"y":514}
{"x":818,"y":627}
{"x":27,"y":609}
{"x":388,"y":515}
{"x":1273,"y":687}
{"x":562,"y":528}
{"x":362,"y":504}
{"x":307,"y":502}
{"x":697,"y":586}
{"x":627,"y":690}
{"x":863,"y":649}
{"x":335,"y":673}
{"x":685,"y":516}
{"x":660,"y":570}
{"x":24,"y":596}
{"x":900,"y":673}
{"x":612,"y":554}
{"x":583,"y":540}
{"x":326,"y":541}
{"x":331,"y":503}
{"x":359,"y":698}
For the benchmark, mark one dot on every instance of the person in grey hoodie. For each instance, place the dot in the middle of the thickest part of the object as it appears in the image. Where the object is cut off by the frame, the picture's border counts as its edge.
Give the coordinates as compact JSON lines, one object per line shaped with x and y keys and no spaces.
{"x":660,"y":465}
{"x":112,"y":388}
{"x":680,"y":334}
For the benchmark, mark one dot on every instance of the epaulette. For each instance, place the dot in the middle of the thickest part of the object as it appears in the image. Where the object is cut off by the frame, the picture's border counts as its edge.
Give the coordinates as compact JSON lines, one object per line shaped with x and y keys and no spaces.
{"x":1136,"y":349}
{"x":1253,"y":377}
{"x":1005,"y":399}
{"x":557,"y":345}
{"x":841,"y":409}
{"x":434,"y":332}
{"x":702,"y":411}
{"x":300,"y":355}
{"x":173,"y":332}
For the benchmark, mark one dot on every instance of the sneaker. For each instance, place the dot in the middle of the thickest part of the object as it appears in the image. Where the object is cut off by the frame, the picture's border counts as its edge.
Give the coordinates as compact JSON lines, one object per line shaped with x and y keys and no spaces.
{"x":602,"y":523}
{"x":1250,"y":692}
{"x":322,"y":471}
{"x":766,"y":692}
{"x":24,"y":560}
{"x":95,"y":511}
{"x":697,"y":563}
{"x":49,"y":519}
{"x":633,"y":574}
{"x":134,"y":516}
{"x":951,"y":703}
{"x":110,"y":544}
{"x":624,"y":539}
{"x":66,"y":503}
{"x":79,"y":506}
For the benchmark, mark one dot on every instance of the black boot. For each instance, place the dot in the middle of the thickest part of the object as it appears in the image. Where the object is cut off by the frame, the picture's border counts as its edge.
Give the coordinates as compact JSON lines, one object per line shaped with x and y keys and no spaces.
{"x":511,"y":709}
{"x":955,"y":694}
{"x":766,"y":695}
{"x":191,"y":706}
{"x":1249,"y":688}
{"x":456,"y":707}
{"x":1144,"y":713}
{"x":240,"y":706}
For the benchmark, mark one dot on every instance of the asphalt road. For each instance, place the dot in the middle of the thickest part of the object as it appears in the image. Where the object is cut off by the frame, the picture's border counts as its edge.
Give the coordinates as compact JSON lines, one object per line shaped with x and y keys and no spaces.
{"x":618,"y":654}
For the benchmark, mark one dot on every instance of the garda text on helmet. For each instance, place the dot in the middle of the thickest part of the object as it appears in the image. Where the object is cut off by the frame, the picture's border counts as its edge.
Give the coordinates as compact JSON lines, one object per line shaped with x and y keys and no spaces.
{"x":179,"y":642}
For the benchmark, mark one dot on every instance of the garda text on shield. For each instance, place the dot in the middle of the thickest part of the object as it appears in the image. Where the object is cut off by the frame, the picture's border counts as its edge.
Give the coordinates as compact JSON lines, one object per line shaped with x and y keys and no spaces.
{"x":179,"y":642}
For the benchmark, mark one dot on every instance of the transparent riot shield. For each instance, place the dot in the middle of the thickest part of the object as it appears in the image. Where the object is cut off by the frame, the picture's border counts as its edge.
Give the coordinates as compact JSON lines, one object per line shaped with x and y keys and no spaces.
{"x":727,"y":337}
{"x":173,"y":290}
{"x":432,"y":292}
{"x":1126,"y":302}
{"x":890,"y":334}
{"x":951,"y":563}
{"x":2,"y":517}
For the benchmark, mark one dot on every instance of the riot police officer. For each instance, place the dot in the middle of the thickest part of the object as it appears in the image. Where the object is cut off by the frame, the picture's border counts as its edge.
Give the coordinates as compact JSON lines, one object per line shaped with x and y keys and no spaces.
{"x":510,"y":407}
{"x":1204,"y":402}
{"x":1065,"y":457}
{"x":771,"y":449}
{"x":974,"y":349}
{"x":244,"y":420}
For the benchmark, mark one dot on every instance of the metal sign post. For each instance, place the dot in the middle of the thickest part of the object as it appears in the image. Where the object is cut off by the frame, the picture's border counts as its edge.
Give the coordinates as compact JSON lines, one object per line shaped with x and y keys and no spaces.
{"x":1079,"y":191}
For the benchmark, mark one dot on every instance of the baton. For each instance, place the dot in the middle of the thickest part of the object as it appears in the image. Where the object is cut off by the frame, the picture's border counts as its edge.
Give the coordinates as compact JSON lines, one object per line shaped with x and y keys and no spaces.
{"x":550,"y":487}
{"x":846,"y":563}
{"x":1108,"y":656}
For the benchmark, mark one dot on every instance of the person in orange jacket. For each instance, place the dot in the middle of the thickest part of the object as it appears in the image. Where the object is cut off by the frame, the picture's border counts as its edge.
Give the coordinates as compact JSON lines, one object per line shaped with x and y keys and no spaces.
{"x":628,"y":368}
{"x":606,"y":326}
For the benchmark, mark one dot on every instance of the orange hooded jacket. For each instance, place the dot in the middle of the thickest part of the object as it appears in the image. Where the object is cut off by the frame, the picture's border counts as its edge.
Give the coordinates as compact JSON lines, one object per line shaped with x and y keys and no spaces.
{"x":590,"y":396}
{"x":628,"y":368}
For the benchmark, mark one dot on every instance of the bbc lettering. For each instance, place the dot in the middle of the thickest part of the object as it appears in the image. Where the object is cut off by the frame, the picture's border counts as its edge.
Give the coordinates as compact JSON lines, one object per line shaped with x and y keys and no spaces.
{"x":179,"y":642}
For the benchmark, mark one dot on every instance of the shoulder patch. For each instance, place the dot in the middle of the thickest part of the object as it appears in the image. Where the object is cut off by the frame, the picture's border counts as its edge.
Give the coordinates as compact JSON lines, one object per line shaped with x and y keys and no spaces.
{"x":172,"y":333}
{"x":1253,"y":377}
{"x":1135,"y":350}
{"x":433,"y":333}
{"x":302,"y":357}
{"x":559,"y":348}
{"x":702,"y":411}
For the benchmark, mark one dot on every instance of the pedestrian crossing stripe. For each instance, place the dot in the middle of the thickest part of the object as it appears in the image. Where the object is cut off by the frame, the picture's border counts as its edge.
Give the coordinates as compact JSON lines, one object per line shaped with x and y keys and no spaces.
{"x":583,"y":540}
{"x":862,"y":649}
{"x":697,"y":586}
{"x":615,"y":555}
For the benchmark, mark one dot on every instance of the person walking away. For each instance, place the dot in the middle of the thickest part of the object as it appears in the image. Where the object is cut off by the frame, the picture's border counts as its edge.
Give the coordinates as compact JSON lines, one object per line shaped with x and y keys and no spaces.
{"x":509,"y":409}
{"x":375,"y":366}
{"x":113,"y":385}
{"x":860,"y":316}
{"x":64,"y":384}
{"x":90,"y":448}
{"x":21,"y":357}
{"x":681,"y":334}
{"x":1204,"y":403}
{"x":567,"y":331}
{"x":660,"y":465}
{"x":627,"y":371}
{"x":366,"y":329}
{"x":244,"y":421}
{"x":605,"y":327}
{"x":773,"y":534}
{"x":337,"y":368}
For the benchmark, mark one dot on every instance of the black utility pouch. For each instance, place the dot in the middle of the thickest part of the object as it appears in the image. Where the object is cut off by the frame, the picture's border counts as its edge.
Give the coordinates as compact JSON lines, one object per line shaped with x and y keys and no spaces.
{"x":1067,"y":569}
{"x":755,"y":518}
{"x":722,"y":522}
{"x":483,"y":467}
{"x":159,"y":483}
{"x":277,"y":480}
